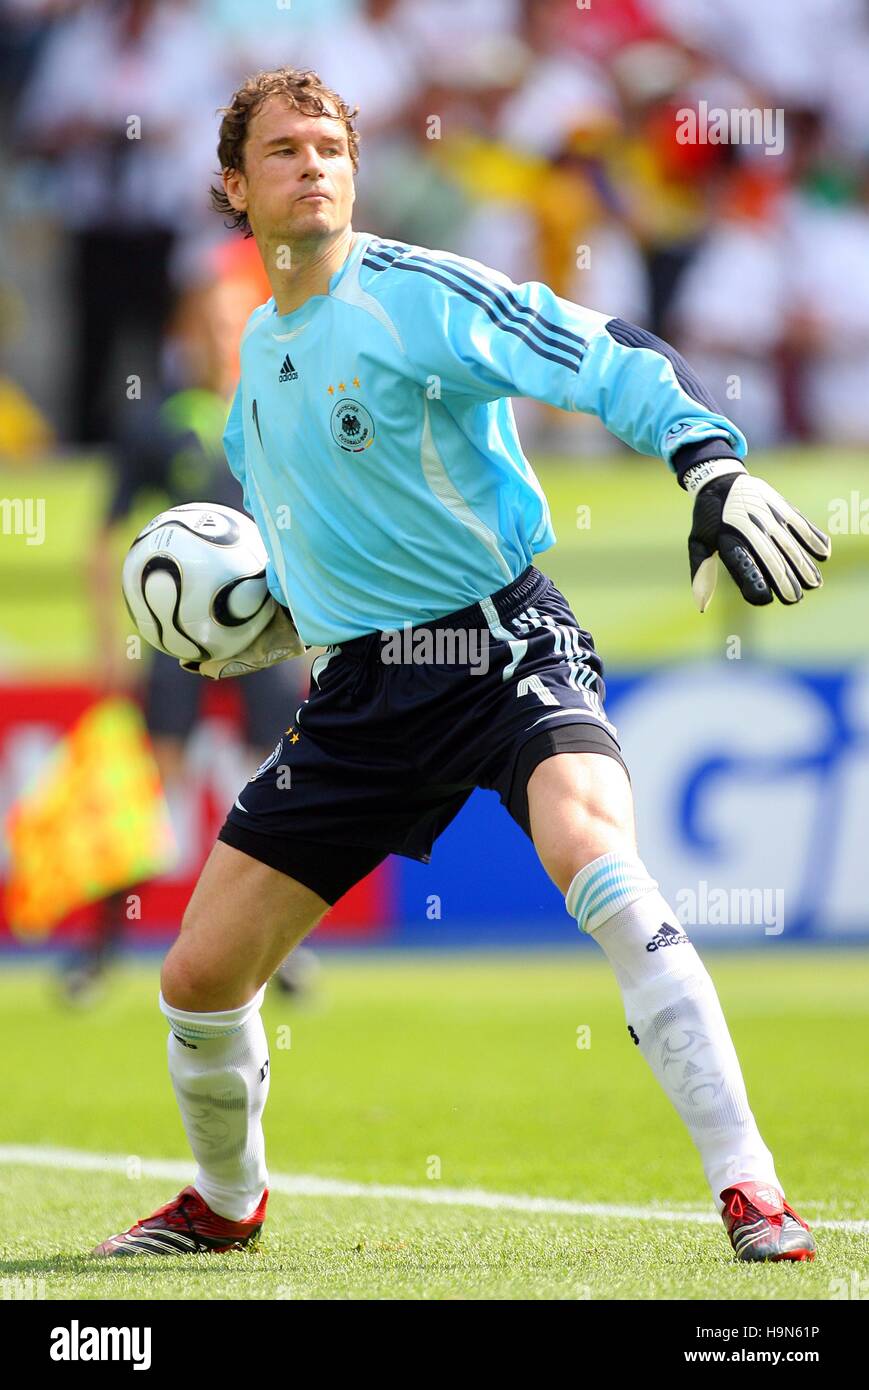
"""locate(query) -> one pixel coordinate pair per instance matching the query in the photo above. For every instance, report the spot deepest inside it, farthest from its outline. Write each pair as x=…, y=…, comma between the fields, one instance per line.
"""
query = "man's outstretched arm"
x=488, y=337
x=768, y=547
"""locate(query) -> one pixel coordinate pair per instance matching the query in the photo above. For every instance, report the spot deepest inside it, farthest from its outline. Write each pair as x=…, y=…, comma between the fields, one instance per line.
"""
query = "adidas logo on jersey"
x=667, y=936
x=288, y=371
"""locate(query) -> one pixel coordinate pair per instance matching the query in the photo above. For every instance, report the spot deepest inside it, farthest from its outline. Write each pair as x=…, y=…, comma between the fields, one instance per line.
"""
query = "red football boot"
x=185, y=1226
x=762, y=1226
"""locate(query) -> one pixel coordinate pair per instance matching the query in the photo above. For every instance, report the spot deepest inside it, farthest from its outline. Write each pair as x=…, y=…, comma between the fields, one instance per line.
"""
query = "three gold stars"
x=342, y=386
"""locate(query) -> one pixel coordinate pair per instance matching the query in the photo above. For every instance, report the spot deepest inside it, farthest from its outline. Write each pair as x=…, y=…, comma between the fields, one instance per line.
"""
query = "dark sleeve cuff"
x=689, y=454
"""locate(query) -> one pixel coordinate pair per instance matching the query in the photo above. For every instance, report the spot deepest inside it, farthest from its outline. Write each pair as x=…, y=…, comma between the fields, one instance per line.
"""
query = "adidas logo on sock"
x=667, y=936
x=288, y=371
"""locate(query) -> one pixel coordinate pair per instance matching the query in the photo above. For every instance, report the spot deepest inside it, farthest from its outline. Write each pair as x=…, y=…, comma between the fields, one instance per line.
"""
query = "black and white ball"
x=194, y=581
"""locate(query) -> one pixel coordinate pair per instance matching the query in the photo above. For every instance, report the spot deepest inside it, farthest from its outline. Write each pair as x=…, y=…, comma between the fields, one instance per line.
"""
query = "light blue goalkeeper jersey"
x=374, y=437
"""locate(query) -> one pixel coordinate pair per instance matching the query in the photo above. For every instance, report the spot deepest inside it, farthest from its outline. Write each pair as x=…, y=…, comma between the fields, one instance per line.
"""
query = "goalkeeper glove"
x=277, y=641
x=764, y=542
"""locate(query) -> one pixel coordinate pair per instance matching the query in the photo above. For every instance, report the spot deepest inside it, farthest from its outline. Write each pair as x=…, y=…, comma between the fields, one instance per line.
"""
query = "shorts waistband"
x=506, y=603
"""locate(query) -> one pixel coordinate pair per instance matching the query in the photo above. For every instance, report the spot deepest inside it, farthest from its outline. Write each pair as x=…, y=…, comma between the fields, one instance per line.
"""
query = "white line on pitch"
x=305, y=1185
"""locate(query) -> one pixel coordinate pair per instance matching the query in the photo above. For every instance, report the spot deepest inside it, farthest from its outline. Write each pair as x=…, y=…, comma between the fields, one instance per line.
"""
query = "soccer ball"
x=194, y=582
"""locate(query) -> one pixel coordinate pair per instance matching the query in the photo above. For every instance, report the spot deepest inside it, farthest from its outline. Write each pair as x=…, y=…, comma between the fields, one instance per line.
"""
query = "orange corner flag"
x=94, y=821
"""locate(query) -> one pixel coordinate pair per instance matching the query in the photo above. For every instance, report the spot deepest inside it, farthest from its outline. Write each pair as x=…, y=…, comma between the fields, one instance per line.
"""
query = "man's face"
x=298, y=176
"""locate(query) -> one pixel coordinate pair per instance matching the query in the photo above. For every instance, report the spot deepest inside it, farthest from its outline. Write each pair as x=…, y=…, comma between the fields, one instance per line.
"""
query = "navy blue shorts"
x=399, y=728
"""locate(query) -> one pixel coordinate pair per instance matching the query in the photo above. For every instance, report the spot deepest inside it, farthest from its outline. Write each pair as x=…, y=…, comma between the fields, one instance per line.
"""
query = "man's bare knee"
x=189, y=981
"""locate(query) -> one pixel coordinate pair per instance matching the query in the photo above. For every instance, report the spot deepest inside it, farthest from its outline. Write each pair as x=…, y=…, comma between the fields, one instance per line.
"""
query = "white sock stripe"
x=613, y=900
x=190, y=1033
x=200, y=1027
x=604, y=887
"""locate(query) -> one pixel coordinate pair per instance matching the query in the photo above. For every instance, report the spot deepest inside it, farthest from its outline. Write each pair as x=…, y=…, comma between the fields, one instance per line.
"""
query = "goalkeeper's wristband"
x=697, y=464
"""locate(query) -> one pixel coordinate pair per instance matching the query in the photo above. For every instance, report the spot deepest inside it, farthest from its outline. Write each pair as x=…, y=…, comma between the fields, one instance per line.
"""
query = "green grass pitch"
x=467, y=1066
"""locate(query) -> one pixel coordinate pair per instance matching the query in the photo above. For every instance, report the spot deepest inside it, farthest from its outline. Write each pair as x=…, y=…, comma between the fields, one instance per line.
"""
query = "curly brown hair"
x=305, y=91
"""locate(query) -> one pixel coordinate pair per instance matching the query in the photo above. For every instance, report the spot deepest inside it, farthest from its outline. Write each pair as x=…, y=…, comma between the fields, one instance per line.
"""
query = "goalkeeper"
x=373, y=435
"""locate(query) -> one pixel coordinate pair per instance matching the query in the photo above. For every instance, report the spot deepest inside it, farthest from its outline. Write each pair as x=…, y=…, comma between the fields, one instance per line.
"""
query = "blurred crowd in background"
x=538, y=136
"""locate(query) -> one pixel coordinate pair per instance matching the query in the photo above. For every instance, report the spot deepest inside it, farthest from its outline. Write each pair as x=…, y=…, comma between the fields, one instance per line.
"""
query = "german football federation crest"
x=352, y=425
x=269, y=762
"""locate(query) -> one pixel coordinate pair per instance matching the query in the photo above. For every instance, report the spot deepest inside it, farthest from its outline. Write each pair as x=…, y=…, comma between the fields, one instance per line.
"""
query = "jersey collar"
x=304, y=311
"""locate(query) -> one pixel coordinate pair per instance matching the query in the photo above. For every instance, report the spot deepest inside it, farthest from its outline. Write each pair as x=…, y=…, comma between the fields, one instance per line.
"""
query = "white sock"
x=673, y=1013
x=219, y=1065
